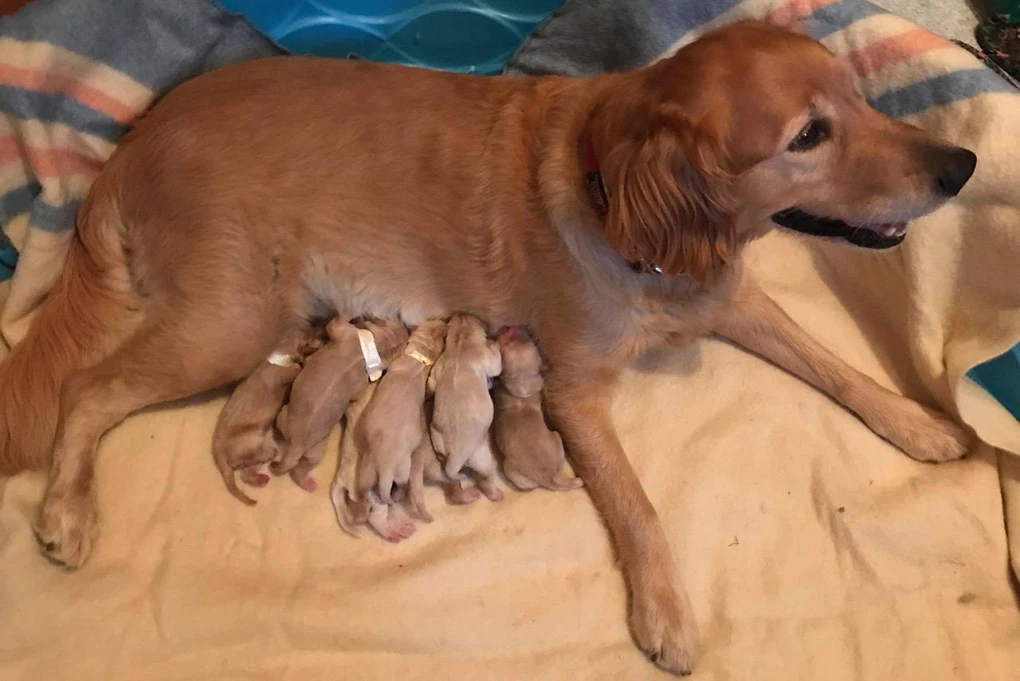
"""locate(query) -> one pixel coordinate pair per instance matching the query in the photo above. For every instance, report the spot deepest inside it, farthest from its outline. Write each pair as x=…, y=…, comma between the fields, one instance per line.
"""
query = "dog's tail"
x=86, y=315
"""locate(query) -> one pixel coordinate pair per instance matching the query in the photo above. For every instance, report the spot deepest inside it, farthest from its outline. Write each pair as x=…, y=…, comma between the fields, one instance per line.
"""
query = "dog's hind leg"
x=168, y=358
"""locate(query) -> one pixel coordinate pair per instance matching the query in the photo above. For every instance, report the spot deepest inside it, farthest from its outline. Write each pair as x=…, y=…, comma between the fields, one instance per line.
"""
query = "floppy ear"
x=670, y=202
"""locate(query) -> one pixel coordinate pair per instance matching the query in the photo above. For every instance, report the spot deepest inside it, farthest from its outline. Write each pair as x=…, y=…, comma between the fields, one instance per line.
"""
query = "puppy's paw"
x=664, y=629
x=923, y=434
x=303, y=480
x=461, y=494
x=254, y=477
x=66, y=526
x=390, y=522
x=490, y=488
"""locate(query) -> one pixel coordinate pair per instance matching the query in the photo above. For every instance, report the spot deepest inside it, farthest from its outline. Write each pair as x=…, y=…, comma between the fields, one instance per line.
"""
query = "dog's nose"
x=956, y=168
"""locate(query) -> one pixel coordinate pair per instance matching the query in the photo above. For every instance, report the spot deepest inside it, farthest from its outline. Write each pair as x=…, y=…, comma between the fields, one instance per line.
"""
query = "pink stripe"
x=895, y=50
x=39, y=80
x=796, y=9
x=48, y=162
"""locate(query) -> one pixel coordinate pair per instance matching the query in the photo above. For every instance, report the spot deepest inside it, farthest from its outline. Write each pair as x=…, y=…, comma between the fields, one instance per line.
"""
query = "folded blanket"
x=73, y=76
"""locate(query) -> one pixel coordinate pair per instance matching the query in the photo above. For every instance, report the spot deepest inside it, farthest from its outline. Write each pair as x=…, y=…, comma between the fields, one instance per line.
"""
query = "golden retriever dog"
x=333, y=376
x=245, y=437
x=606, y=214
x=426, y=468
x=392, y=424
x=462, y=408
x=388, y=520
x=533, y=455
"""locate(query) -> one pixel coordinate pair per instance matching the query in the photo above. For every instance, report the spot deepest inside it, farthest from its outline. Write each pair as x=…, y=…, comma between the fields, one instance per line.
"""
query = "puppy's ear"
x=670, y=204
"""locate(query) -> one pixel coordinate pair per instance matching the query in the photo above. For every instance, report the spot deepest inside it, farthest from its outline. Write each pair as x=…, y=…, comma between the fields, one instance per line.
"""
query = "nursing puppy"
x=426, y=468
x=331, y=377
x=244, y=437
x=606, y=214
x=388, y=520
x=533, y=455
x=462, y=412
x=392, y=425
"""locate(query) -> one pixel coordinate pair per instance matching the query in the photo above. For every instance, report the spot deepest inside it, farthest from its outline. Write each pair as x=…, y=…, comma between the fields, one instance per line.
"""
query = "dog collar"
x=373, y=363
x=600, y=194
x=281, y=359
x=593, y=177
x=414, y=354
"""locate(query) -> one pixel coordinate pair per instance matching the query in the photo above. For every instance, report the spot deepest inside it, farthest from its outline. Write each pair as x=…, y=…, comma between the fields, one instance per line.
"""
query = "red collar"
x=593, y=176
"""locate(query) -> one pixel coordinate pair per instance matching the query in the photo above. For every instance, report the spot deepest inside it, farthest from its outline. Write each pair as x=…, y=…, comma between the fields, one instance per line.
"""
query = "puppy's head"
x=429, y=338
x=522, y=363
x=753, y=126
x=390, y=338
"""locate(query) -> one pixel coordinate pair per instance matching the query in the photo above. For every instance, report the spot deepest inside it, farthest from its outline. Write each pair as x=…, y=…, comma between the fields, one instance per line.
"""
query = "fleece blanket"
x=73, y=76
x=811, y=548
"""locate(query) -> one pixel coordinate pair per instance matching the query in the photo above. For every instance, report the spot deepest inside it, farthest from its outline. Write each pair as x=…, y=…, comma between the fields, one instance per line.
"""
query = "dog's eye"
x=813, y=134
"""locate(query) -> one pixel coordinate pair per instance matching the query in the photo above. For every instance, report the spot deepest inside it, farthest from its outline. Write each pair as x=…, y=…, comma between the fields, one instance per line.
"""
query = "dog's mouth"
x=877, y=235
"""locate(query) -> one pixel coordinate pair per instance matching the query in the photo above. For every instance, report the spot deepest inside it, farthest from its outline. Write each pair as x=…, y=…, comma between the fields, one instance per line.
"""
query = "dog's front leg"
x=753, y=320
x=661, y=619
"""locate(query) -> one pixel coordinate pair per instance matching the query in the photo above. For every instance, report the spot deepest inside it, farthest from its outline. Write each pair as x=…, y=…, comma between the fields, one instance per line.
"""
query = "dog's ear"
x=670, y=202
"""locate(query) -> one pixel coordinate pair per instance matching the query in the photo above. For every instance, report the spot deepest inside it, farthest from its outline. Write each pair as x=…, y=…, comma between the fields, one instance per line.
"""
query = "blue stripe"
x=18, y=201
x=828, y=20
x=945, y=89
x=58, y=108
x=8, y=257
x=50, y=218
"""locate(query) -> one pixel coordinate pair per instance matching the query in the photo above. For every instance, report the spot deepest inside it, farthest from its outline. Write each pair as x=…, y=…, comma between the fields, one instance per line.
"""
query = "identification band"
x=410, y=352
x=373, y=363
x=280, y=359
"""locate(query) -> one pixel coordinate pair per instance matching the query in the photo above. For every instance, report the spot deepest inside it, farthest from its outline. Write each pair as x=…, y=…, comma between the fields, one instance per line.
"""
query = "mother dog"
x=607, y=214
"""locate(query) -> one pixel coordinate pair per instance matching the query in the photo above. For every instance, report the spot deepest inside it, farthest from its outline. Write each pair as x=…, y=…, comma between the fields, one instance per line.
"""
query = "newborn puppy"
x=389, y=521
x=425, y=467
x=463, y=409
x=330, y=379
x=244, y=437
x=392, y=425
x=532, y=454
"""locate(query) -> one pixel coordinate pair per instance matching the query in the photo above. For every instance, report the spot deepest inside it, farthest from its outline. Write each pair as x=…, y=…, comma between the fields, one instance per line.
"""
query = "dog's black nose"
x=957, y=166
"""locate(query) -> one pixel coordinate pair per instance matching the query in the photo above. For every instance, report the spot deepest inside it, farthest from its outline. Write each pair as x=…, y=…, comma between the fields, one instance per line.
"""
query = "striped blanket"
x=73, y=76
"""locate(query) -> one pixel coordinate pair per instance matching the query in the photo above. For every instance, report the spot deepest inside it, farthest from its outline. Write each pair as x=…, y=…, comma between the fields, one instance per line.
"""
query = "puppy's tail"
x=88, y=313
x=231, y=482
x=228, y=473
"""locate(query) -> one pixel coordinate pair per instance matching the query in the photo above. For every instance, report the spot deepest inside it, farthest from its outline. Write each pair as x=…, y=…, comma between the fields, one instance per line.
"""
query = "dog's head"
x=755, y=125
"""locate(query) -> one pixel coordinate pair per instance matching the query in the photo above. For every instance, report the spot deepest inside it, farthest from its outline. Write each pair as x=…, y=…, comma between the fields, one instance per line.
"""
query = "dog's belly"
x=411, y=290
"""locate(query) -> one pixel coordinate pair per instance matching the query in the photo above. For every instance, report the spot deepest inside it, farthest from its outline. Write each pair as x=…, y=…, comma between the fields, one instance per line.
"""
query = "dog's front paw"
x=923, y=434
x=664, y=628
x=66, y=527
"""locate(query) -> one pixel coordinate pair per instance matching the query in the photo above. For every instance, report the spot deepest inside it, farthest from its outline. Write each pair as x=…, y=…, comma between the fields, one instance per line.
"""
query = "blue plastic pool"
x=466, y=36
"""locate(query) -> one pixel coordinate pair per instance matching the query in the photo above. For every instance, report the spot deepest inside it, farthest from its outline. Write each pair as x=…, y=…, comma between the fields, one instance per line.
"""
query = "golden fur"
x=533, y=455
x=264, y=193
x=462, y=406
